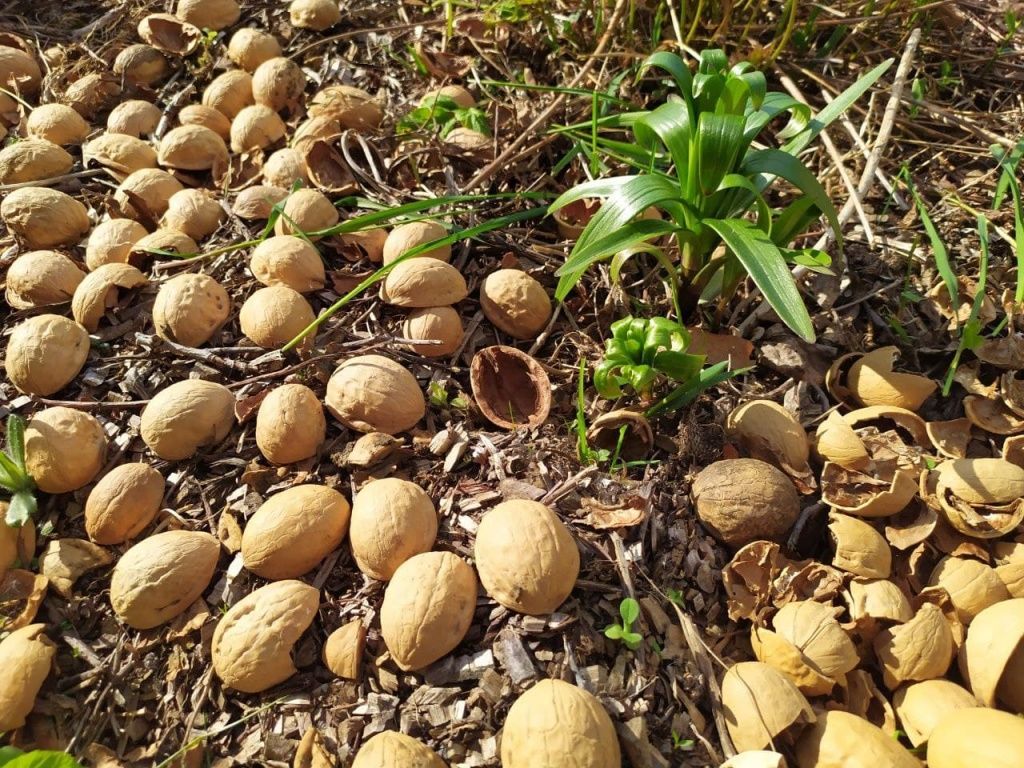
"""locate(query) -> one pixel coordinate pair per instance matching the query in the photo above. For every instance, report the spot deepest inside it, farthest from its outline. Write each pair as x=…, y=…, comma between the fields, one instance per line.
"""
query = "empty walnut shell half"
x=510, y=387
x=873, y=382
x=167, y=33
x=982, y=498
x=767, y=431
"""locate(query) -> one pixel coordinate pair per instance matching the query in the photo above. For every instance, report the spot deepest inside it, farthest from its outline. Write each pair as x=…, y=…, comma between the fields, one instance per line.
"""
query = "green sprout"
x=12, y=757
x=629, y=610
x=443, y=115
x=14, y=477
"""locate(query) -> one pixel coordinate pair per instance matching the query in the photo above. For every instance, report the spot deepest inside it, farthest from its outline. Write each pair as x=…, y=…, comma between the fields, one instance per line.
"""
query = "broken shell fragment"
x=920, y=649
x=992, y=415
x=744, y=500
x=982, y=498
x=972, y=585
x=170, y=34
x=921, y=706
x=755, y=758
x=836, y=441
x=871, y=601
x=860, y=549
x=761, y=705
x=778, y=652
x=252, y=644
x=511, y=389
x=100, y=291
x=950, y=438
x=813, y=629
x=767, y=431
x=343, y=651
x=864, y=495
x=65, y=560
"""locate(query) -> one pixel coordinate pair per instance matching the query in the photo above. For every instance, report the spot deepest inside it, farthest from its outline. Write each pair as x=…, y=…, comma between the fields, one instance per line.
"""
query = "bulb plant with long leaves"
x=701, y=159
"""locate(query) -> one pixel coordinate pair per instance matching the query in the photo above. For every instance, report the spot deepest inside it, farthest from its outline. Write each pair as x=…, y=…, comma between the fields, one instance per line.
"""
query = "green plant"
x=10, y=757
x=678, y=742
x=629, y=610
x=642, y=351
x=14, y=477
x=442, y=115
x=697, y=164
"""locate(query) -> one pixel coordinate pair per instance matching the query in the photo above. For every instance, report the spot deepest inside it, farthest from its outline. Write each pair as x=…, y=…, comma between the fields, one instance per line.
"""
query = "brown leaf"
x=247, y=406
x=188, y=622
x=65, y=560
x=21, y=593
x=229, y=532
x=631, y=511
x=720, y=347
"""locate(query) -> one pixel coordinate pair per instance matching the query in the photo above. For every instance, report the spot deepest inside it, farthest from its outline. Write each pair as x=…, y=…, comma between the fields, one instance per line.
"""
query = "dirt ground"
x=124, y=697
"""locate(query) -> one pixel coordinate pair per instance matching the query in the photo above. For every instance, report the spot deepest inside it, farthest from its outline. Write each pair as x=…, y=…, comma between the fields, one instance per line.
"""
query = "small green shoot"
x=678, y=742
x=629, y=610
x=442, y=114
x=640, y=353
x=14, y=477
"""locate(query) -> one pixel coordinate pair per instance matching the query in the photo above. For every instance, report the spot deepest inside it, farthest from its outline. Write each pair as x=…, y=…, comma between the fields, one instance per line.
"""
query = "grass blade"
x=939, y=252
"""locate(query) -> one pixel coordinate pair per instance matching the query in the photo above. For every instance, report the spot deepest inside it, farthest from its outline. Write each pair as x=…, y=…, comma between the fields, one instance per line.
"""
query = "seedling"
x=629, y=610
x=678, y=742
x=442, y=115
x=14, y=477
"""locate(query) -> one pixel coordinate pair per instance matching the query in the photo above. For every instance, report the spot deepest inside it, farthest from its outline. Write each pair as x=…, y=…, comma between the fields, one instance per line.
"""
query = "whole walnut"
x=64, y=449
x=190, y=308
x=745, y=500
x=45, y=353
x=186, y=416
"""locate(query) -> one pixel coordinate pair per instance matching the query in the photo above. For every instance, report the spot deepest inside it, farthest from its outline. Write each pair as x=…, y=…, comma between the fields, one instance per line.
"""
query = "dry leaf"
x=65, y=560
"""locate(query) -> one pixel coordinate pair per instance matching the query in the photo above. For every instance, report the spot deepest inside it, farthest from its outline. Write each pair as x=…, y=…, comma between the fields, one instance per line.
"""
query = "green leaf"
x=939, y=252
x=42, y=759
x=629, y=610
x=632, y=640
x=16, y=439
x=720, y=140
x=21, y=509
x=767, y=267
x=777, y=163
x=671, y=125
x=685, y=394
x=7, y=754
x=19, y=480
x=613, y=632
x=674, y=66
x=837, y=107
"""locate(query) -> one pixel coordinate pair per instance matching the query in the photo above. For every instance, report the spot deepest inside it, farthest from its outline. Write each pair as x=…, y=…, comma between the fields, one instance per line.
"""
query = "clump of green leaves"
x=11, y=757
x=629, y=611
x=442, y=115
x=697, y=162
x=14, y=477
x=644, y=352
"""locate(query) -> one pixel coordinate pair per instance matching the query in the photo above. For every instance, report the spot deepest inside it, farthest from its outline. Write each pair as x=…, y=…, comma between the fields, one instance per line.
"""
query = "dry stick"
x=867, y=177
x=501, y=161
x=837, y=158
